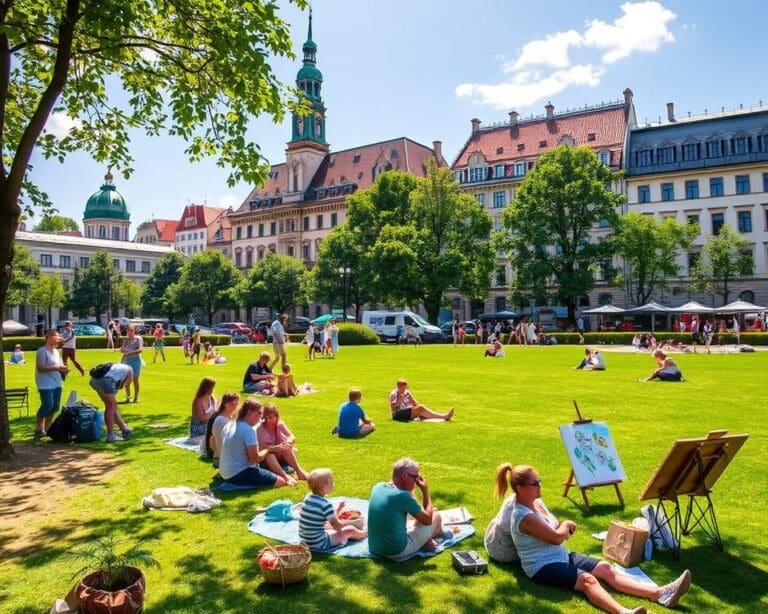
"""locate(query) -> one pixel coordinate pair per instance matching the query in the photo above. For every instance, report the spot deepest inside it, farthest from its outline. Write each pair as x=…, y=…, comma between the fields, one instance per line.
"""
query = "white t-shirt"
x=69, y=339
x=217, y=431
x=48, y=380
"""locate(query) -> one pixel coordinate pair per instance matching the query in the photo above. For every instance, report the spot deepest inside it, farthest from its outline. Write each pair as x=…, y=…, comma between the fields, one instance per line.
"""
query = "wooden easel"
x=571, y=481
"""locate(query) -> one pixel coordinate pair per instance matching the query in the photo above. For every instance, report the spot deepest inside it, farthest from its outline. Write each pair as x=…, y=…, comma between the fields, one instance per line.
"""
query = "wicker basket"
x=292, y=563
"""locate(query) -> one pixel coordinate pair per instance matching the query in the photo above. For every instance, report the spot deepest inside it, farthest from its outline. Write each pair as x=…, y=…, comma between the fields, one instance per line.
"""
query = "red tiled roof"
x=226, y=230
x=603, y=128
x=354, y=165
x=203, y=214
x=166, y=229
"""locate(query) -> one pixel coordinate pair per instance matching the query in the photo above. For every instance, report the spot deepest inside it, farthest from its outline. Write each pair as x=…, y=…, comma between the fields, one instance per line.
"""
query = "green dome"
x=310, y=72
x=310, y=45
x=106, y=203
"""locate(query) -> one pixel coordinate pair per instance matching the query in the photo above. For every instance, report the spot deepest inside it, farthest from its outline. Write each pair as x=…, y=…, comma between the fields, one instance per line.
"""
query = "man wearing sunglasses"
x=391, y=533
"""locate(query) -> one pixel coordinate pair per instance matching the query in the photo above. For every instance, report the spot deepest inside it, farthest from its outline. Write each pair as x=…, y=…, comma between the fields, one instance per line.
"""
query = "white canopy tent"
x=692, y=307
x=653, y=308
x=739, y=307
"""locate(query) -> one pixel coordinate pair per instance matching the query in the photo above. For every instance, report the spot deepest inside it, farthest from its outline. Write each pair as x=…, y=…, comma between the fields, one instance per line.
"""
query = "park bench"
x=17, y=398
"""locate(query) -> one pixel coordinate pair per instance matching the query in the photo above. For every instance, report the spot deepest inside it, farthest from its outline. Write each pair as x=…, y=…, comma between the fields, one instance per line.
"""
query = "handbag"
x=625, y=543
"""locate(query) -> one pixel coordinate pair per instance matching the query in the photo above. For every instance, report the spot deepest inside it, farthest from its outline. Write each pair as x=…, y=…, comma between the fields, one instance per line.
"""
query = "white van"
x=388, y=324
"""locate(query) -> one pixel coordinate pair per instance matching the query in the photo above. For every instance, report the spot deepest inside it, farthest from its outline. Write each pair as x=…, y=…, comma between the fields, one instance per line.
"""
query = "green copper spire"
x=309, y=80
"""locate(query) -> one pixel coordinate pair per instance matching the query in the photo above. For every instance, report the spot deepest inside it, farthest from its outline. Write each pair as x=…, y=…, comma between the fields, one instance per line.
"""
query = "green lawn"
x=506, y=410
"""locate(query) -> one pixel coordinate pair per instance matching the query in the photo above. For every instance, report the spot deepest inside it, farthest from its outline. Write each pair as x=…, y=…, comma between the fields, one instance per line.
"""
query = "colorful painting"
x=592, y=454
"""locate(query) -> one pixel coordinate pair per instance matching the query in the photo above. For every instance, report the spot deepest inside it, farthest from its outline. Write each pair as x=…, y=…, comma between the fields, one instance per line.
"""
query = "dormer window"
x=393, y=154
x=478, y=173
x=519, y=168
x=542, y=143
x=356, y=159
x=591, y=136
x=499, y=150
x=190, y=221
x=605, y=157
x=520, y=146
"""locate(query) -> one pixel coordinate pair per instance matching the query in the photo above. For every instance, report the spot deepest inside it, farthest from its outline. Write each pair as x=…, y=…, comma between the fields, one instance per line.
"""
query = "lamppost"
x=344, y=272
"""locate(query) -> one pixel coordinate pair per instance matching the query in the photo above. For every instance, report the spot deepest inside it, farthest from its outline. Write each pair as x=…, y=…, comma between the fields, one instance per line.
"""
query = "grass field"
x=506, y=410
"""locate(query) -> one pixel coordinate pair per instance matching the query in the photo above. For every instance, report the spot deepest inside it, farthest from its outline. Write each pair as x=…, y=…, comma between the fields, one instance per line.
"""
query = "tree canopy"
x=649, y=248
x=49, y=294
x=275, y=281
x=726, y=258
x=93, y=286
x=26, y=272
x=548, y=227
x=52, y=222
x=205, y=283
x=154, y=297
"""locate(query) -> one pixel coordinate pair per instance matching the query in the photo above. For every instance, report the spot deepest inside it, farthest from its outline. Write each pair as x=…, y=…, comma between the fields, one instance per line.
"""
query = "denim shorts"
x=135, y=363
x=565, y=575
x=50, y=402
x=402, y=415
x=104, y=384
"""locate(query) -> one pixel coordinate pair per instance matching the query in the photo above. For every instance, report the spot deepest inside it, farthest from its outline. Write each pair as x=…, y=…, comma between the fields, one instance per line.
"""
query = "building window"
x=238, y=258
x=130, y=266
x=261, y=230
x=334, y=219
x=65, y=262
x=742, y=184
x=714, y=149
x=260, y=253
x=519, y=169
x=762, y=141
x=478, y=173
x=605, y=157
x=745, y=221
x=645, y=157
x=693, y=220
x=692, y=188
x=605, y=299
x=102, y=232
x=249, y=231
x=116, y=264
x=739, y=145
x=747, y=296
x=499, y=199
x=691, y=151
x=606, y=269
x=145, y=266
x=643, y=193
x=693, y=260
x=305, y=251
x=248, y=258
x=498, y=171
x=116, y=233
x=765, y=182
x=501, y=303
x=273, y=228
x=665, y=155
x=290, y=250
x=305, y=222
x=89, y=232
x=239, y=233
x=319, y=222
x=746, y=263
x=46, y=260
x=480, y=198
x=667, y=191
x=716, y=186
x=718, y=219
x=84, y=260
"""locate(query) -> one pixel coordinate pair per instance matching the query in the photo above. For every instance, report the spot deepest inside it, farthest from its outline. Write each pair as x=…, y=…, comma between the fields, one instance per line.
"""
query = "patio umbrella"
x=12, y=328
x=653, y=308
x=321, y=320
x=499, y=315
x=739, y=307
x=604, y=309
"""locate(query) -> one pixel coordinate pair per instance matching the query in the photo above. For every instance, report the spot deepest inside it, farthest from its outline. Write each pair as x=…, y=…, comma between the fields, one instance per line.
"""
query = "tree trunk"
x=432, y=305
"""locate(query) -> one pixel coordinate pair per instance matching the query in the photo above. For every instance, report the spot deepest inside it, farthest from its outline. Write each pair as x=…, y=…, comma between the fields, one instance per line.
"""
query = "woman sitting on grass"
x=203, y=407
x=276, y=438
x=214, y=430
x=666, y=371
x=495, y=349
x=538, y=537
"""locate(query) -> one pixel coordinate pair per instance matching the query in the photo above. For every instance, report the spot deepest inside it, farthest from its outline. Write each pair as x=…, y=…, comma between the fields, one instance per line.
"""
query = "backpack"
x=101, y=370
x=62, y=429
x=87, y=422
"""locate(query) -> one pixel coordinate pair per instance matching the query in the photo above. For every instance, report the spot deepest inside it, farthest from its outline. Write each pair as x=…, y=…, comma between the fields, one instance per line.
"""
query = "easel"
x=571, y=481
x=690, y=469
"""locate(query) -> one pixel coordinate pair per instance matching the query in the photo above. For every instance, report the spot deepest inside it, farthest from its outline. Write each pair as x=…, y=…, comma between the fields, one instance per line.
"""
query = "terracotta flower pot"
x=128, y=600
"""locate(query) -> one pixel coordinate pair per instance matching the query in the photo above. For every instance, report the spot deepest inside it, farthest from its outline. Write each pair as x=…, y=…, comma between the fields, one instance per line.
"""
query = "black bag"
x=101, y=370
x=469, y=562
x=62, y=429
x=86, y=422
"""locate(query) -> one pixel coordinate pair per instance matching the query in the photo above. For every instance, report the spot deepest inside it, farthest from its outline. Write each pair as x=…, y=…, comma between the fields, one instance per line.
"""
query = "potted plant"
x=116, y=585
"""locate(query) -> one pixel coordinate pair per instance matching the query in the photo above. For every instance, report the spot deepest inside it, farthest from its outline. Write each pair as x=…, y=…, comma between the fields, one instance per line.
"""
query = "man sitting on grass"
x=352, y=419
x=405, y=408
x=389, y=533
x=259, y=377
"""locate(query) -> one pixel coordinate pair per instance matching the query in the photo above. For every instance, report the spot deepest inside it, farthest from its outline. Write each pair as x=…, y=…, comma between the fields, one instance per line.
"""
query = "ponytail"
x=508, y=476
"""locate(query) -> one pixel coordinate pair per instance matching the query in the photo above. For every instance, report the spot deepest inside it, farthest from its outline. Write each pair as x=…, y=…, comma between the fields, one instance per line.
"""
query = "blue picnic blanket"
x=288, y=532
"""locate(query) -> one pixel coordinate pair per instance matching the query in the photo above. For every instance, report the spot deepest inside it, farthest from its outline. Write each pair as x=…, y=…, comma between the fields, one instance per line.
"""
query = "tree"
x=26, y=272
x=154, y=298
x=48, y=295
x=93, y=286
x=126, y=294
x=726, y=257
x=649, y=247
x=276, y=282
x=547, y=227
x=196, y=70
x=56, y=223
x=205, y=283
x=427, y=237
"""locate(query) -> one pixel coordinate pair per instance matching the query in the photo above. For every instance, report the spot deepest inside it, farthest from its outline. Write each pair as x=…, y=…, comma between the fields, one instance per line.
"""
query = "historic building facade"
x=495, y=160
x=106, y=216
x=198, y=227
x=304, y=197
x=710, y=170
x=157, y=232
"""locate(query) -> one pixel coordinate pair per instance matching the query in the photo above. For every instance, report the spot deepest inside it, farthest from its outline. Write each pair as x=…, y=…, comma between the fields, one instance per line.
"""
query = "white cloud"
x=59, y=124
x=149, y=55
x=229, y=200
x=642, y=27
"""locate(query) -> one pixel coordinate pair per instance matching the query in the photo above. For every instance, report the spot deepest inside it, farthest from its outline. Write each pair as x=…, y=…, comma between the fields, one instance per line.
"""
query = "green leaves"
x=727, y=257
x=205, y=283
x=276, y=281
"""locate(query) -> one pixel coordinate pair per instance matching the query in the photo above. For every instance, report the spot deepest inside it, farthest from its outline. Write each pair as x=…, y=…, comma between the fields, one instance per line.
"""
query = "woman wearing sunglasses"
x=539, y=537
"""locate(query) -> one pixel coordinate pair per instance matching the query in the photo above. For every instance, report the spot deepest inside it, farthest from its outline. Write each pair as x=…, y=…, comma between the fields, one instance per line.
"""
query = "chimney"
x=513, y=115
x=627, y=97
x=437, y=148
x=550, y=111
x=671, y=111
x=475, y=125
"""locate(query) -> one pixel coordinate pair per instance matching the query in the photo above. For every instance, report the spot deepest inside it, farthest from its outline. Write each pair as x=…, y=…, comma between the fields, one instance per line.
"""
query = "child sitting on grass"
x=17, y=356
x=319, y=525
x=286, y=387
x=352, y=419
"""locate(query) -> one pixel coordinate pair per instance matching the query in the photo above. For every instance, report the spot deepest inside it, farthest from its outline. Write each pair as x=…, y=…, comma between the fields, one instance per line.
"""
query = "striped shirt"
x=315, y=512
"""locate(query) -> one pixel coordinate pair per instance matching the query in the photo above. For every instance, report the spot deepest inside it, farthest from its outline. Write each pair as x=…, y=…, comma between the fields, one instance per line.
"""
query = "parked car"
x=298, y=324
x=230, y=328
x=261, y=332
x=447, y=329
x=84, y=329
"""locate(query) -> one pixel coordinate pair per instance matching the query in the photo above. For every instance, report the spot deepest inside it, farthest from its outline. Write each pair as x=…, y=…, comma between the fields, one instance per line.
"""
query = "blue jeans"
x=50, y=402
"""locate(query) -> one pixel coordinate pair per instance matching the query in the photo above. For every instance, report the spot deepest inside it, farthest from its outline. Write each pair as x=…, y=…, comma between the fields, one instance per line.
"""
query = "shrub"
x=357, y=334
x=100, y=342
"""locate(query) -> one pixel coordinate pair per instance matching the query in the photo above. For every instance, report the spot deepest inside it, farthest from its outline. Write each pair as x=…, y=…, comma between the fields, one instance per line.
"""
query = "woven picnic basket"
x=292, y=563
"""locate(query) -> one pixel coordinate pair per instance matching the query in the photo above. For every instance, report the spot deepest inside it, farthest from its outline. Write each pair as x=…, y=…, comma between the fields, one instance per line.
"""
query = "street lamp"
x=344, y=272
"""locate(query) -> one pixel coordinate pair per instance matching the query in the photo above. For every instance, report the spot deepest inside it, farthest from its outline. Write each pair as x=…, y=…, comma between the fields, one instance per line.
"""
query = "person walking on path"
x=159, y=344
x=69, y=346
x=278, y=340
x=49, y=379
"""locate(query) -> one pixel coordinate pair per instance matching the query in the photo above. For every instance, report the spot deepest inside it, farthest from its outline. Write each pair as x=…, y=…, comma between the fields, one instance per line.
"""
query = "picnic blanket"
x=185, y=443
x=180, y=498
x=288, y=532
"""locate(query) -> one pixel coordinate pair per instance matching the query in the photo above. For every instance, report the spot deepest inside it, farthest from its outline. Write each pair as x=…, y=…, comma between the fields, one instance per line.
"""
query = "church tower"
x=307, y=147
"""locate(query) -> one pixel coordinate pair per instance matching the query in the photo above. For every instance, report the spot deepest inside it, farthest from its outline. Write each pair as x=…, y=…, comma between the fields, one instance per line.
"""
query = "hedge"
x=100, y=342
x=356, y=334
x=625, y=338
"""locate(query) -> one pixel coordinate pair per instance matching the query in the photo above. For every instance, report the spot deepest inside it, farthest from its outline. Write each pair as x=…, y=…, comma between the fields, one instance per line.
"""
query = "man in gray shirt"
x=278, y=340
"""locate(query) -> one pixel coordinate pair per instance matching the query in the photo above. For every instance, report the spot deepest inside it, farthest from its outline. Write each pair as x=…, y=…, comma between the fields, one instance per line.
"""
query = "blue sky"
x=424, y=69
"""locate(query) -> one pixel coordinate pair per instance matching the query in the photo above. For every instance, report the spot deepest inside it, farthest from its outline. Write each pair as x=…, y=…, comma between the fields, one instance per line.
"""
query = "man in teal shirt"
x=390, y=534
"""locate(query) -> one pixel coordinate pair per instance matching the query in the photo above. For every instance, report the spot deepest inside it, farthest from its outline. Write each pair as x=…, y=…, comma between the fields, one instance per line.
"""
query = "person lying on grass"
x=538, y=537
x=405, y=407
x=352, y=419
x=320, y=526
x=666, y=369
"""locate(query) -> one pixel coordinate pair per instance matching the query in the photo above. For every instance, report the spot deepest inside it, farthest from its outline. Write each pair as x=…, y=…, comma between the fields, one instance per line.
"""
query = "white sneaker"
x=671, y=593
